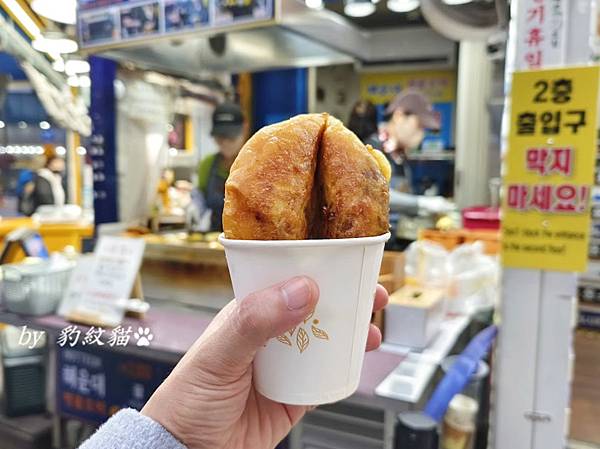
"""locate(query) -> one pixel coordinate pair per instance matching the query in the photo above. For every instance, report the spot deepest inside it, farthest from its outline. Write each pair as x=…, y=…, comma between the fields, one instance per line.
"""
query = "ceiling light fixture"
x=44, y=125
x=2, y=124
x=456, y=2
x=359, y=8
x=314, y=4
x=76, y=66
x=85, y=81
x=53, y=42
x=59, y=65
x=63, y=11
x=402, y=5
x=23, y=18
x=60, y=150
x=73, y=81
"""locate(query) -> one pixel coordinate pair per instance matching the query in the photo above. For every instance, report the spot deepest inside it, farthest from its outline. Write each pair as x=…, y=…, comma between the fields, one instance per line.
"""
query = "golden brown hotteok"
x=354, y=191
x=307, y=177
x=268, y=192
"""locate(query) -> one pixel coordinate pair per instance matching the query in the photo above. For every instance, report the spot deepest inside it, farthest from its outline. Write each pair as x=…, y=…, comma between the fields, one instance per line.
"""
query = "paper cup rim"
x=355, y=241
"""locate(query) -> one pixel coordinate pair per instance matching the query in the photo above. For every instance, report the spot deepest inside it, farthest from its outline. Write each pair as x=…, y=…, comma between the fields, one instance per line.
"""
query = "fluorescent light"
x=73, y=81
x=60, y=45
x=76, y=66
x=22, y=125
x=23, y=18
x=81, y=151
x=61, y=151
x=456, y=2
x=172, y=151
x=2, y=124
x=359, y=8
x=314, y=4
x=44, y=125
x=85, y=81
x=402, y=5
x=59, y=65
x=63, y=11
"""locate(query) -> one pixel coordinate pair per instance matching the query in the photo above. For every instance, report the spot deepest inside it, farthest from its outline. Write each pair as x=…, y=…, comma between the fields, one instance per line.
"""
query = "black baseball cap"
x=227, y=120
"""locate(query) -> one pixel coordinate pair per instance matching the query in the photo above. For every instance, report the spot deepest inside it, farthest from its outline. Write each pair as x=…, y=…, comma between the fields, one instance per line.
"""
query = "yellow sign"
x=549, y=169
x=438, y=85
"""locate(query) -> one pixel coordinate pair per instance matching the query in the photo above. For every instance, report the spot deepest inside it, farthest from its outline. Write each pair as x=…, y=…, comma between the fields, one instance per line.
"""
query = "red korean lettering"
x=534, y=59
x=537, y=159
x=565, y=198
x=584, y=198
x=536, y=14
x=517, y=196
x=541, y=198
x=534, y=37
x=562, y=161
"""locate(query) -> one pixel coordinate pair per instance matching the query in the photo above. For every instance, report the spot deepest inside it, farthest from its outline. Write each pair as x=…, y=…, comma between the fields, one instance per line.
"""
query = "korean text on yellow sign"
x=549, y=169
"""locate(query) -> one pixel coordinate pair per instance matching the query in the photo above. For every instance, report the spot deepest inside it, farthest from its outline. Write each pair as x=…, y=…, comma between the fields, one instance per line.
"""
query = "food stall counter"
x=56, y=235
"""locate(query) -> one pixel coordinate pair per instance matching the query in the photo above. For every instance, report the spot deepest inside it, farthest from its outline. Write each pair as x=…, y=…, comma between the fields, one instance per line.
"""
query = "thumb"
x=229, y=346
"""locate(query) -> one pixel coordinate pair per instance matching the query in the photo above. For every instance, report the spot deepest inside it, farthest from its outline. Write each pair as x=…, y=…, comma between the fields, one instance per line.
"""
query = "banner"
x=549, y=169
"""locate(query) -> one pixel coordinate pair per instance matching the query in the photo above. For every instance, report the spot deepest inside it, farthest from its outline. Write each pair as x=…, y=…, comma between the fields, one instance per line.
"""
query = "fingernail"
x=296, y=292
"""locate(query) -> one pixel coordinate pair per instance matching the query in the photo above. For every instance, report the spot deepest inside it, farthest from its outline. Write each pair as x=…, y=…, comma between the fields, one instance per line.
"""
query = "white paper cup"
x=319, y=361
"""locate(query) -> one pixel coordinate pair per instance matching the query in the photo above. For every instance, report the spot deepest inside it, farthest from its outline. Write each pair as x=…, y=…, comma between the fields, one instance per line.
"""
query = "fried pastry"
x=269, y=192
x=354, y=195
x=307, y=177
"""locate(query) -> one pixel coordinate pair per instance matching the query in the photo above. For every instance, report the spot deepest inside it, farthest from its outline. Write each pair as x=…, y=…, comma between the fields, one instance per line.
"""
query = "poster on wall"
x=438, y=86
x=140, y=20
x=549, y=169
x=99, y=27
x=229, y=12
x=185, y=14
x=104, y=22
x=95, y=4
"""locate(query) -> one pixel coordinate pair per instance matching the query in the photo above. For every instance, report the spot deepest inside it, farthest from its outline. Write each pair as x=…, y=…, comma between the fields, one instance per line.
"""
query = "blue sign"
x=94, y=383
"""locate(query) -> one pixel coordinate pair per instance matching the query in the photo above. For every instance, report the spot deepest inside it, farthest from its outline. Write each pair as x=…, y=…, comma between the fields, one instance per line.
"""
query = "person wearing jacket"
x=209, y=401
x=46, y=187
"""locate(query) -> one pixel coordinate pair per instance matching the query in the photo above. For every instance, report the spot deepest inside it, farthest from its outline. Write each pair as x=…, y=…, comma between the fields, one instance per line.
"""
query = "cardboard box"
x=413, y=316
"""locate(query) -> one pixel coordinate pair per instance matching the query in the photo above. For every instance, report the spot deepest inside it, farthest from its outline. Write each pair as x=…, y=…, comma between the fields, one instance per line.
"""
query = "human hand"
x=435, y=204
x=209, y=400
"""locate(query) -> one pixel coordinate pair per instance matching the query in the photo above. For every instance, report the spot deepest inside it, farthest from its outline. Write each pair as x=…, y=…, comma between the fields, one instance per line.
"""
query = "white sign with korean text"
x=542, y=31
x=101, y=285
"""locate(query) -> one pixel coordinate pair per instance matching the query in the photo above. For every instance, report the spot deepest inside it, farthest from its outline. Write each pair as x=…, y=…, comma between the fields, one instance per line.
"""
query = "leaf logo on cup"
x=302, y=337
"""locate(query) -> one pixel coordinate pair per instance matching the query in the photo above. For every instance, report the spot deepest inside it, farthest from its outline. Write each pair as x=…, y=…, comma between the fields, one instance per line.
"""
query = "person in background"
x=209, y=400
x=47, y=186
x=407, y=117
x=363, y=121
x=229, y=129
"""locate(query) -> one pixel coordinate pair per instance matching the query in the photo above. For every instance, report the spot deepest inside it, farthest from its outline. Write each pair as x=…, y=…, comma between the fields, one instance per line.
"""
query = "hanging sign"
x=549, y=169
x=541, y=25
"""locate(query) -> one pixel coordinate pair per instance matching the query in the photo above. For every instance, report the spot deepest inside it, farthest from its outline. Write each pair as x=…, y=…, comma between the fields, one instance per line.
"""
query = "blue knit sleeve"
x=128, y=429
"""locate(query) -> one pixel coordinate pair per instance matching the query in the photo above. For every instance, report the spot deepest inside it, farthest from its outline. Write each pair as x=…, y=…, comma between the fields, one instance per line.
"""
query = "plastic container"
x=319, y=361
x=475, y=385
x=459, y=423
x=481, y=217
x=35, y=289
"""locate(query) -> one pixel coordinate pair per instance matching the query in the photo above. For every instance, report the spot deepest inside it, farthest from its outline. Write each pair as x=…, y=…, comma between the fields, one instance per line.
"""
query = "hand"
x=209, y=400
x=435, y=204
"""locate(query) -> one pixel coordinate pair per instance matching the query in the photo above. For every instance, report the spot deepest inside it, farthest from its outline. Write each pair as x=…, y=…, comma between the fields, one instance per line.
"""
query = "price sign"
x=549, y=169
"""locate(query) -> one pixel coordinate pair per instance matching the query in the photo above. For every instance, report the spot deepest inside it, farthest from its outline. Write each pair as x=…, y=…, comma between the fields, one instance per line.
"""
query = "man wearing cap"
x=229, y=129
x=407, y=117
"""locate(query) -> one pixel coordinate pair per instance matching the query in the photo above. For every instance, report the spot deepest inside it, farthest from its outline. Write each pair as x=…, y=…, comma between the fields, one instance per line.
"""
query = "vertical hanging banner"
x=549, y=169
x=542, y=24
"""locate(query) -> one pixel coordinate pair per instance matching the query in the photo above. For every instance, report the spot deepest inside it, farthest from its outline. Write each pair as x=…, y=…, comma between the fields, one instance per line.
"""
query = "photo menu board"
x=106, y=22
